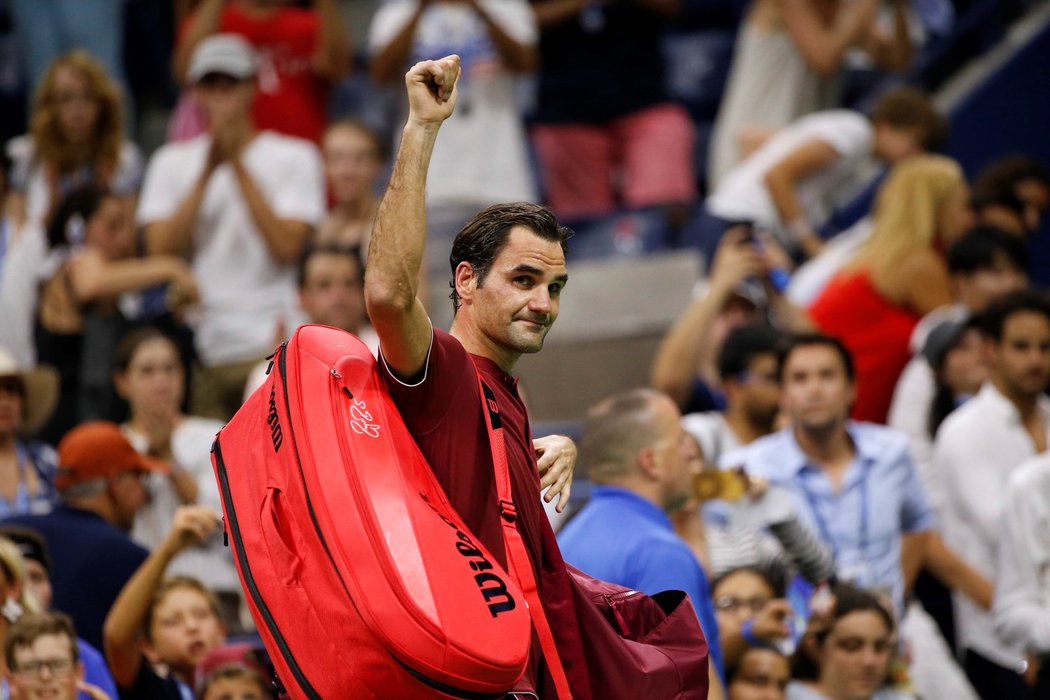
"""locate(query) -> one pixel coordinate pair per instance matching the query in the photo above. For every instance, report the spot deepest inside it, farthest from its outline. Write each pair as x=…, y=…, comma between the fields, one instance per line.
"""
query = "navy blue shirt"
x=91, y=561
x=622, y=538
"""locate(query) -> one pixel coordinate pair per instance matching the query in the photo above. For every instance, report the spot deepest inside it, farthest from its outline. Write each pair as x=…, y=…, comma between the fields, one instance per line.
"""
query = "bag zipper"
x=249, y=579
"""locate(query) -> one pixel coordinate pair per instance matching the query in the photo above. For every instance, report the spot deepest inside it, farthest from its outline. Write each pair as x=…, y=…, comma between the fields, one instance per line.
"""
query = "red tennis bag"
x=363, y=581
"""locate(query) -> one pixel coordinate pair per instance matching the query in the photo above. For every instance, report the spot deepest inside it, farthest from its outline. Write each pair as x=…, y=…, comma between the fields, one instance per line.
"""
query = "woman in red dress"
x=899, y=275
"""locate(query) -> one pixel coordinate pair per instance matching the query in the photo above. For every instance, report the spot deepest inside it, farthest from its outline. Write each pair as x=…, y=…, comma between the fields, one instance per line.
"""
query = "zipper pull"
x=273, y=355
x=225, y=534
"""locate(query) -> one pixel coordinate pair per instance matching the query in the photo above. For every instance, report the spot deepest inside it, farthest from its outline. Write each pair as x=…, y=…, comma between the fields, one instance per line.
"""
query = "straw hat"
x=41, y=389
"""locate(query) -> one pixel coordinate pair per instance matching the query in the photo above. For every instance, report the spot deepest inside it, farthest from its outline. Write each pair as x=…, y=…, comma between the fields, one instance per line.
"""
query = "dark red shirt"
x=443, y=413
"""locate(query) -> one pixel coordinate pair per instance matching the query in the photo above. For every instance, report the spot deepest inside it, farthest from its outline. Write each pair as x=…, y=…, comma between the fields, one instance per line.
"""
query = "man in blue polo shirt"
x=640, y=459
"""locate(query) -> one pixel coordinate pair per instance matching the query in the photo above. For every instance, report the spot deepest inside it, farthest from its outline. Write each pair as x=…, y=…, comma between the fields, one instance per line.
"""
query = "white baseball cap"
x=226, y=54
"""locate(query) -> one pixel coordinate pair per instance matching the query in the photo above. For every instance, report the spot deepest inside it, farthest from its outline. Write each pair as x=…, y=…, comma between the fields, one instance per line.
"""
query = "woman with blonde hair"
x=897, y=277
x=75, y=137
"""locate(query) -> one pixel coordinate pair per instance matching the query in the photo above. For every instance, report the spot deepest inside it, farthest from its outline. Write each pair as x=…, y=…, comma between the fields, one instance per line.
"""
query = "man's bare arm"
x=395, y=253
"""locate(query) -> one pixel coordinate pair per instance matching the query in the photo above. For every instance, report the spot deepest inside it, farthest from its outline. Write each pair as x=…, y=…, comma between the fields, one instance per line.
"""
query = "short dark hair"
x=908, y=107
x=996, y=183
x=485, y=235
x=311, y=250
x=994, y=318
x=743, y=344
x=978, y=248
x=772, y=576
x=31, y=627
x=848, y=599
x=828, y=341
x=80, y=203
x=130, y=343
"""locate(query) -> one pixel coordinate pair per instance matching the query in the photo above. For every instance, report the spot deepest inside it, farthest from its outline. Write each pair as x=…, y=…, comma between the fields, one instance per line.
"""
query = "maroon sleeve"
x=424, y=401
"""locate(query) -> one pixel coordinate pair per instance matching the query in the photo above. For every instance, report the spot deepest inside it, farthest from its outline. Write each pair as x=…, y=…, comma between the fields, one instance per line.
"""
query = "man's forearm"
x=395, y=253
x=174, y=236
x=284, y=239
x=333, y=51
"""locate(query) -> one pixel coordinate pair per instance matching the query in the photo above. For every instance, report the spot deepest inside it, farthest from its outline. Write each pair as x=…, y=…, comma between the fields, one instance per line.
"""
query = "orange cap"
x=97, y=450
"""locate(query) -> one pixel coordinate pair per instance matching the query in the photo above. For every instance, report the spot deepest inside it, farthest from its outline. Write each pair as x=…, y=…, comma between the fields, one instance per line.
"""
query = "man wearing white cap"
x=27, y=398
x=240, y=203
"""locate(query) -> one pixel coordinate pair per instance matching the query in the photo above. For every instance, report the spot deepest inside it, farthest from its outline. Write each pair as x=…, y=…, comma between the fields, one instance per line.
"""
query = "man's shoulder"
x=275, y=143
x=878, y=441
x=176, y=154
x=975, y=416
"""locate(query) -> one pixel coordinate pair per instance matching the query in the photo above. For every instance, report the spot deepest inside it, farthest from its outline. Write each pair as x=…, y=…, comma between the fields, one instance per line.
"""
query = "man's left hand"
x=556, y=460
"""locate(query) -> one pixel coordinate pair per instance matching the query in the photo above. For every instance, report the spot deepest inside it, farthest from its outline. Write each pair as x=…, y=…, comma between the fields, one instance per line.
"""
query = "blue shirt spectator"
x=880, y=499
x=625, y=539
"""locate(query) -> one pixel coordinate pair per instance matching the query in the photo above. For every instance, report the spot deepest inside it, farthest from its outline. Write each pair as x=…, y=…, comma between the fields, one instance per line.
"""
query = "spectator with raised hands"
x=149, y=375
x=752, y=612
x=91, y=264
x=240, y=203
x=301, y=52
x=173, y=622
x=483, y=155
x=737, y=292
x=786, y=64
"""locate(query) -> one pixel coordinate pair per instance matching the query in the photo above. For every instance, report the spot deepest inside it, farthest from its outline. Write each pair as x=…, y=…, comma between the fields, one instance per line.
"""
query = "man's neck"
x=7, y=443
x=831, y=450
x=1026, y=404
x=476, y=343
x=743, y=427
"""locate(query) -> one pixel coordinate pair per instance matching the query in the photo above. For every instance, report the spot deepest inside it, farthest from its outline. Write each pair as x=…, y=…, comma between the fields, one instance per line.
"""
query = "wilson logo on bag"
x=363, y=581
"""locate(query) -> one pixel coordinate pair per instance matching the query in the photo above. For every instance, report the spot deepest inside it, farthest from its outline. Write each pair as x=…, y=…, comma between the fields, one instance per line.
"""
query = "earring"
x=12, y=610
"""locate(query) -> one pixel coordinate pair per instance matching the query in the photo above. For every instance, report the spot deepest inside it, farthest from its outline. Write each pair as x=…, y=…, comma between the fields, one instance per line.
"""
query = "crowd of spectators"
x=842, y=455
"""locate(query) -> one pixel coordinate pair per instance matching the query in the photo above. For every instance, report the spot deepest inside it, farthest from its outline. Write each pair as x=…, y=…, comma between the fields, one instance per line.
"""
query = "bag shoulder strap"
x=517, y=556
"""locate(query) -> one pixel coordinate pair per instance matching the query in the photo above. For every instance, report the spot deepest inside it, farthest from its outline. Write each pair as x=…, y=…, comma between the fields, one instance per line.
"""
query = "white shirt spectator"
x=978, y=448
x=809, y=280
x=24, y=255
x=482, y=155
x=245, y=293
x=743, y=195
x=210, y=562
x=1022, y=585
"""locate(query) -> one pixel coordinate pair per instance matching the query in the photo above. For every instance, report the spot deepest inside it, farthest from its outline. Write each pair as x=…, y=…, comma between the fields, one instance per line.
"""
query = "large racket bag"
x=363, y=581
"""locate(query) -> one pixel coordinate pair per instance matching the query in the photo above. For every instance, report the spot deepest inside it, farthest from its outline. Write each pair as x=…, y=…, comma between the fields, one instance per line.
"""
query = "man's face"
x=979, y=288
x=517, y=302
x=676, y=454
x=224, y=99
x=817, y=394
x=351, y=163
x=185, y=629
x=332, y=293
x=46, y=669
x=758, y=390
x=1021, y=358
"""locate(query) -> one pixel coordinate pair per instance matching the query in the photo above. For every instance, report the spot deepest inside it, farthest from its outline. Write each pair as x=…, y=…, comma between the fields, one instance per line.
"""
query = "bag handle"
x=517, y=555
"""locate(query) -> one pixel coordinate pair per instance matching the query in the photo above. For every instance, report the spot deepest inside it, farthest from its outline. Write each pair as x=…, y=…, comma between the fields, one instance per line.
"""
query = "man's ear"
x=466, y=280
x=646, y=460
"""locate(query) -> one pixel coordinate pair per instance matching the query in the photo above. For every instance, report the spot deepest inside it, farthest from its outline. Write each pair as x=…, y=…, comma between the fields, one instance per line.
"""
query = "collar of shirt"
x=629, y=500
x=995, y=401
x=491, y=369
x=867, y=453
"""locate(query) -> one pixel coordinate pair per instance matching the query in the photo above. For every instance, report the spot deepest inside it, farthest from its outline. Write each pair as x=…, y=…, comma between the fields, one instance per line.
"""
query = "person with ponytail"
x=899, y=275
